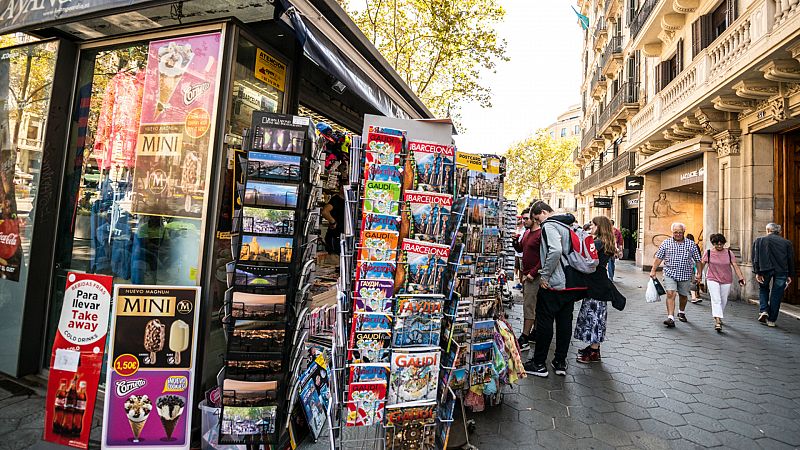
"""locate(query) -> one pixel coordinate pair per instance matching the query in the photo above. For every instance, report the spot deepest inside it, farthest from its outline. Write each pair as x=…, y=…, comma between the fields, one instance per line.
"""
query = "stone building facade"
x=709, y=117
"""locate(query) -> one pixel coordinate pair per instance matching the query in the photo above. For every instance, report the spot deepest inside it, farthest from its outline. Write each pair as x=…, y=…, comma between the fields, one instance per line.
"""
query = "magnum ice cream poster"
x=151, y=367
x=177, y=126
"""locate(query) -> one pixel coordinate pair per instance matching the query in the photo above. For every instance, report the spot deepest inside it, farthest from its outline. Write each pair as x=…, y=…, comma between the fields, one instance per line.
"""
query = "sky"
x=542, y=79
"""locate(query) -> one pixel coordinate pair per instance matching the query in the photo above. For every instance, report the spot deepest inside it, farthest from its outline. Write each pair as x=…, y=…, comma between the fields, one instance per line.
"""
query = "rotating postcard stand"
x=265, y=301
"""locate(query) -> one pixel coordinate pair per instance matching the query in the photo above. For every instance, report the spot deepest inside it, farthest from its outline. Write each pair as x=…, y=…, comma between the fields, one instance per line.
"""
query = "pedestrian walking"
x=679, y=256
x=695, y=289
x=719, y=277
x=612, y=262
x=590, y=327
x=773, y=262
x=555, y=302
x=531, y=263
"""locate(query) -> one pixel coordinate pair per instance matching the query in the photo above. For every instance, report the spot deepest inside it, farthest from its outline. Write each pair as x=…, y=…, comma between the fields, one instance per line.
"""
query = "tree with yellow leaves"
x=538, y=164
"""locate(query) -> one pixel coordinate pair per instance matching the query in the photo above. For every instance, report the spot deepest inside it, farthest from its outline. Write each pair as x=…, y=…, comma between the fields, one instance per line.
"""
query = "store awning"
x=319, y=49
x=16, y=15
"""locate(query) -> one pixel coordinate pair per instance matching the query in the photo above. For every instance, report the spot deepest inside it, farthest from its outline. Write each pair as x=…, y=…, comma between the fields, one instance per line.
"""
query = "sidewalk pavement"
x=656, y=388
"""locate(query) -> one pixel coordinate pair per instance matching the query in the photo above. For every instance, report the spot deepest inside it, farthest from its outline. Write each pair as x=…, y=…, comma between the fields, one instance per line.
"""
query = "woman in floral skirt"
x=591, y=324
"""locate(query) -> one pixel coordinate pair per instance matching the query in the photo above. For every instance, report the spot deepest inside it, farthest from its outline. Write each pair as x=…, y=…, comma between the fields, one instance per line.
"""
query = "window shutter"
x=707, y=30
x=730, y=15
x=657, y=77
x=679, y=57
x=697, y=39
x=665, y=74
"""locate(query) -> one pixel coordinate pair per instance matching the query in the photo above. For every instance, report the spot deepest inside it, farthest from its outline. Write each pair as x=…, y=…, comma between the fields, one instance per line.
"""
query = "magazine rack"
x=275, y=195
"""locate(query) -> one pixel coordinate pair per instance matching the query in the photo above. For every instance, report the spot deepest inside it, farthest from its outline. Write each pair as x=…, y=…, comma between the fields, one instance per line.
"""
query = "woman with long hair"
x=591, y=324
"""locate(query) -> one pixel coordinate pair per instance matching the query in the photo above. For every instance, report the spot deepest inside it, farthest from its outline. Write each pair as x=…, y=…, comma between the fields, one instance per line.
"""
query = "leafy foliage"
x=439, y=47
x=538, y=164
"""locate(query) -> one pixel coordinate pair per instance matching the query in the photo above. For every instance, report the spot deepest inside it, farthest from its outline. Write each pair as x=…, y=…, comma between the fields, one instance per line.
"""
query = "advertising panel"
x=77, y=359
x=175, y=132
x=151, y=367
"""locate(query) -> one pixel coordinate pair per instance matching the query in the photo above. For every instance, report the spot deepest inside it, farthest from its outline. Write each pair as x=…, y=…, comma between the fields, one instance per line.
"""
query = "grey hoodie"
x=555, y=239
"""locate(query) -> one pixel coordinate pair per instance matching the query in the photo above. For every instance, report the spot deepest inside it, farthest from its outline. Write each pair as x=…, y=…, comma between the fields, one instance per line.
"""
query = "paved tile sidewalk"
x=686, y=387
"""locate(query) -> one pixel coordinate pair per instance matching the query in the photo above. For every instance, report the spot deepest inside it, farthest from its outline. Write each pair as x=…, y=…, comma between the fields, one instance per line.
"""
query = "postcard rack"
x=265, y=305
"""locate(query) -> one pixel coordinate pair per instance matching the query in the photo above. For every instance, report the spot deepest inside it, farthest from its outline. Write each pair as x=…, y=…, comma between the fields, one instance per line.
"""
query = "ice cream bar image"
x=178, y=338
x=154, y=336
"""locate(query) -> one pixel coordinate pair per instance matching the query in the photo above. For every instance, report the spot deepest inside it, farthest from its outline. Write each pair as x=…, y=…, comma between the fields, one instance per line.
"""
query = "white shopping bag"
x=652, y=294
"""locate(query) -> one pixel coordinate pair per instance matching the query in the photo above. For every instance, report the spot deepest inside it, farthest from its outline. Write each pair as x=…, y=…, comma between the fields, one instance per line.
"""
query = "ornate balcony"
x=598, y=85
x=622, y=107
x=641, y=17
x=600, y=34
x=620, y=166
x=612, y=57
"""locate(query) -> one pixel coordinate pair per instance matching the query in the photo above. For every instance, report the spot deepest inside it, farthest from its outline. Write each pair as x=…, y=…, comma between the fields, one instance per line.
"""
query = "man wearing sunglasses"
x=680, y=256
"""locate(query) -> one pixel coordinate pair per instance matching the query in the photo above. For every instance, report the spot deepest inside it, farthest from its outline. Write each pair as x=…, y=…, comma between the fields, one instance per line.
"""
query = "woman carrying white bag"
x=720, y=260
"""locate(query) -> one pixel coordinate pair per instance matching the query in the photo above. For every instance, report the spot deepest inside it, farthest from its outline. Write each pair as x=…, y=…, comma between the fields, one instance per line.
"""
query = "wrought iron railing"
x=614, y=46
x=600, y=27
x=623, y=164
x=589, y=135
x=641, y=17
x=597, y=78
x=628, y=93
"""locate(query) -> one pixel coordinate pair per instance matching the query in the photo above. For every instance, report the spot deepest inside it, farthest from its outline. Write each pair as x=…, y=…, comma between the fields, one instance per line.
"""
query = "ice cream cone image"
x=173, y=60
x=137, y=408
x=170, y=409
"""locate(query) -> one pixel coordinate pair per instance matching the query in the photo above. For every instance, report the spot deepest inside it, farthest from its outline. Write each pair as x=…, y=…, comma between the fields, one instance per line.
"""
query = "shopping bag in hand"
x=652, y=294
x=659, y=287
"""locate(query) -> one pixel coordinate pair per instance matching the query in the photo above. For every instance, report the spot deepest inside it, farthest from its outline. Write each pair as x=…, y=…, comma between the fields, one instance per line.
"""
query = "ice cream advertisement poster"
x=77, y=359
x=151, y=367
x=176, y=126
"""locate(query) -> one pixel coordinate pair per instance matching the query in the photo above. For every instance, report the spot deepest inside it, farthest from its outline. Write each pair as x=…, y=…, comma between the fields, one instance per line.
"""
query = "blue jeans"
x=611, y=267
x=770, y=302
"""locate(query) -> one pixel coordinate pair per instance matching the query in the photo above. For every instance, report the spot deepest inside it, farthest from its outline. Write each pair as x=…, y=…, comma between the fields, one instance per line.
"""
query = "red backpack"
x=582, y=254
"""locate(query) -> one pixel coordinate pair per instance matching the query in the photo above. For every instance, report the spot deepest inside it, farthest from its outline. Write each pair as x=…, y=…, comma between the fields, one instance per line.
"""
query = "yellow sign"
x=478, y=163
x=146, y=305
x=270, y=70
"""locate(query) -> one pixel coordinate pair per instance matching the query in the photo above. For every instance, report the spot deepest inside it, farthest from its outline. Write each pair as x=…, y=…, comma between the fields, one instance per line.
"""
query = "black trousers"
x=553, y=306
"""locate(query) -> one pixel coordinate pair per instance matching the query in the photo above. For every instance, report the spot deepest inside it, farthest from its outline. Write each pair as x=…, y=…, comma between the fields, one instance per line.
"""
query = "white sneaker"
x=762, y=317
x=770, y=324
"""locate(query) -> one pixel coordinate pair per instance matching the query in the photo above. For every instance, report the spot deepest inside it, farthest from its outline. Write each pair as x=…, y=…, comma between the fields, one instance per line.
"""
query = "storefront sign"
x=15, y=14
x=174, y=136
x=634, y=183
x=631, y=201
x=77, y=359
x=478, y=162
x=690, y=172
x=602, y=202
x=270, y=70
x=150, y=367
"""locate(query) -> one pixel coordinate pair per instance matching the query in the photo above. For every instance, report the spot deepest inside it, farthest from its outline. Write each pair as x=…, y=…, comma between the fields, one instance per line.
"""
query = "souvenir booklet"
x=380, y=222
x=371, y=322
x=382, y=197
x=458, y=379
x=384, y=145
x=482, y=353
x=417, y=330
x=423, y=267
x=483, y=331
x=373, y=295
x=401, y=416
x=414, y=376
x=365, y=403
x=433, y=167
x=369, y=347
x=383, y=172
x=369, y=372
x=427, y=214
x=480, y=374
x=378, y=245
x=375, y=270
x=411, y=437
x=410, y=305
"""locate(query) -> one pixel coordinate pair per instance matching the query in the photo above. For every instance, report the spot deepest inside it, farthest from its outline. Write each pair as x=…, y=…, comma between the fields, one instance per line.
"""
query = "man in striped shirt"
x=679, y=256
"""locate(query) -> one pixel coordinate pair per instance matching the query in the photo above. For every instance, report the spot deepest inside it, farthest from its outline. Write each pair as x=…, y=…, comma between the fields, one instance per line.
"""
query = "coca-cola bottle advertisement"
x=77, y=359
x=10, y=241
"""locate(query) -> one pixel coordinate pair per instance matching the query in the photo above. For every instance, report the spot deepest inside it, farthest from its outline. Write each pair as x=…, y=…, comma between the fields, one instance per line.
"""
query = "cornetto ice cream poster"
x=150, y=367
x=176, y=126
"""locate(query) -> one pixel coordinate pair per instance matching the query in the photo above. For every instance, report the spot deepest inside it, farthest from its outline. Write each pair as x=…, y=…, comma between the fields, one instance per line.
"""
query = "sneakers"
x=682, y=317
x=762, y=317
x=588, y=355
x=524, y=343
x=770, y=323
x=697, y=300
x=537, y=370
x=669, y=323
x=560, y=368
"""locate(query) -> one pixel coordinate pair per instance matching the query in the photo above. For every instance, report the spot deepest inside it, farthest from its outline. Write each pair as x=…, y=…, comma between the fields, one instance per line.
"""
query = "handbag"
x=659, y=287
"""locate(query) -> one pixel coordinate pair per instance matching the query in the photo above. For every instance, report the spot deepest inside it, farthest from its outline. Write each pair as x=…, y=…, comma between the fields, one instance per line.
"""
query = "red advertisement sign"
x=77, y=359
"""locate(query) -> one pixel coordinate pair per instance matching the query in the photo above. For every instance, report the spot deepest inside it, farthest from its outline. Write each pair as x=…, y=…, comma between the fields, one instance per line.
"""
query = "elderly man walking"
x=679, y=256
x=773, y=261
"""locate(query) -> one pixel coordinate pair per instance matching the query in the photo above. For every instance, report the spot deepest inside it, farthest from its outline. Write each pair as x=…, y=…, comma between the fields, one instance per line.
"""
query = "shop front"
x=629, y=224
x=118, y=143
x=680, y=186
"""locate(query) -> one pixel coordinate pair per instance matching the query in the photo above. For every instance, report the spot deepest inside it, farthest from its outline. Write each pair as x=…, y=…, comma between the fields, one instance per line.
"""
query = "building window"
x=563, y=132
x=560, y=203
x=33, y=131
x=576, y=130
x=719, y=19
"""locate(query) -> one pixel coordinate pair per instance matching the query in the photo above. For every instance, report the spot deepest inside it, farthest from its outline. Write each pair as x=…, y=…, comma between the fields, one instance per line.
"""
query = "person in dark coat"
x=773, y=261
x=591, y=324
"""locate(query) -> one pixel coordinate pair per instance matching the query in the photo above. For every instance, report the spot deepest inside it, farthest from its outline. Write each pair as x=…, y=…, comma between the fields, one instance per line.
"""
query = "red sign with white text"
x=77, y=359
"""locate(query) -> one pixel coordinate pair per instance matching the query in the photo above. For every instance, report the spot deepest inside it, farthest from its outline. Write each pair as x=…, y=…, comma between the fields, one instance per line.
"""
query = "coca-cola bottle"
x=80, y=409
x=69, y=406
x=61, y=400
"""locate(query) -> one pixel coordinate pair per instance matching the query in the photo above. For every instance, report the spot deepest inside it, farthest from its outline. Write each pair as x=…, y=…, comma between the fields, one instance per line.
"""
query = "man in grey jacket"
x=555, y=302
x=773, y=261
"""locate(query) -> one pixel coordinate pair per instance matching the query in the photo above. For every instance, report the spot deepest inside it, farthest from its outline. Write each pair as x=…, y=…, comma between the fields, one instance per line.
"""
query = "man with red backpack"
x=565, y=256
